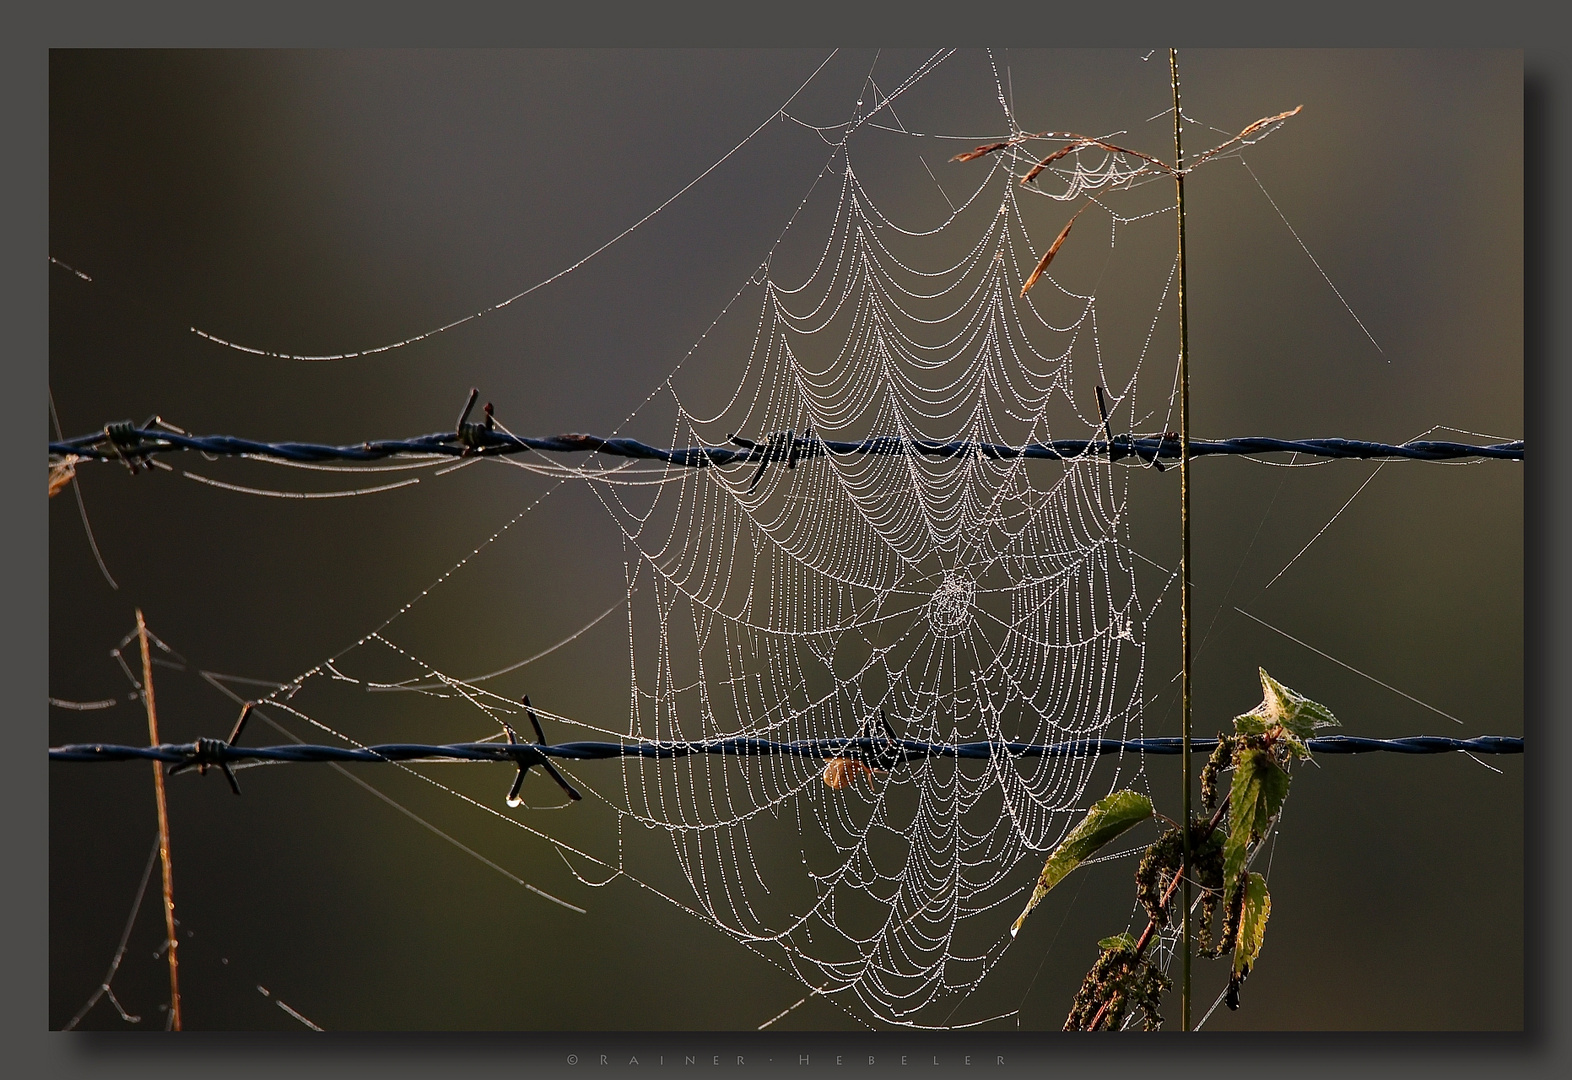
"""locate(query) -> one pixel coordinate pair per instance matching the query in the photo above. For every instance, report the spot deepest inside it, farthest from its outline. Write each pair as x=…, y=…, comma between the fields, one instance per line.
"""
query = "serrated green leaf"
x=1317, y=715
x=1118, y=941
x=1259, y=787
x=1241, y=816
x=1295, y=745
x=1274, y=791
x=1285, y=709
x=1250, y=723
x=1107, y=819
x=1252, y=925
x=1277, y=700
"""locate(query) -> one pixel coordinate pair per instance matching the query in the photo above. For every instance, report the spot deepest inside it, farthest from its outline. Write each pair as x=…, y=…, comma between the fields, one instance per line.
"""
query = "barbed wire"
x=886, y=752
x=136, y=445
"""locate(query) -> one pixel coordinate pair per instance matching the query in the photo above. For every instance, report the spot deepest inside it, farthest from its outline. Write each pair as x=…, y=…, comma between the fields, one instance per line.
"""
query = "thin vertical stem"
x=1184, y=536
x=163, y=825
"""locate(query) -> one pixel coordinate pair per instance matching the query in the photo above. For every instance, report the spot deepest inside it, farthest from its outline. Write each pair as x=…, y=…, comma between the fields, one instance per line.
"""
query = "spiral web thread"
x=951, y=598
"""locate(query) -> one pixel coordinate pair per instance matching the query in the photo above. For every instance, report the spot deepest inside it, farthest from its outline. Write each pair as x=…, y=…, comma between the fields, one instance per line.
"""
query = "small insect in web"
x=841, y=772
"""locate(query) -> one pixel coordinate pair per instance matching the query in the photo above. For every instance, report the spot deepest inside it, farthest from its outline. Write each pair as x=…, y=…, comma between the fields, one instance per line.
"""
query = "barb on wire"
x=215, y=752
x=533, y=755
x=210, y=752
x=136, y=446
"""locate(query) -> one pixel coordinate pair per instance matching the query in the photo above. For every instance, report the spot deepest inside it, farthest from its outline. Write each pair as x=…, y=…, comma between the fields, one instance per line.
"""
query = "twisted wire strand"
x=217, y=752
x=132, y=444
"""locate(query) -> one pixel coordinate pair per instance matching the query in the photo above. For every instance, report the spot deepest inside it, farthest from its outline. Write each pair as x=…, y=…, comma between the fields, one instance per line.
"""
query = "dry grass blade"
x=1025, y=136
x=163, y=827
x=1079, y=144
x=1265, y=121
x=1053, y=249
x=973, y=154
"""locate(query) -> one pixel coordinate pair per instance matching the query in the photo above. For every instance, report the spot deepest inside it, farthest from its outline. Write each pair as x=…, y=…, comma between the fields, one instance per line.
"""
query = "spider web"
x=958, y=597
x=822, y=595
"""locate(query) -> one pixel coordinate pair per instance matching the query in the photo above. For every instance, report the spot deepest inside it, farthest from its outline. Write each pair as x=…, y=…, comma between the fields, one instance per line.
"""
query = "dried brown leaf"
x=60, y=474
x=840, y=772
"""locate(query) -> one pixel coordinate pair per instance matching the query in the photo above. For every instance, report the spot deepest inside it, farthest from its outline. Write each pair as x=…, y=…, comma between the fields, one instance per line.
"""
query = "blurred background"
x=324, y=202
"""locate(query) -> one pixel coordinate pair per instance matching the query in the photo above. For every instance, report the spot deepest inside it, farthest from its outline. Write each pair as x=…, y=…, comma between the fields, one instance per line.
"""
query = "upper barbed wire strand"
x=134, y=443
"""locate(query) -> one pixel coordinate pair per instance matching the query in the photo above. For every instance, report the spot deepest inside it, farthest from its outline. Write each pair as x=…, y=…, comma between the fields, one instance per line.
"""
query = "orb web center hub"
x=950, y=608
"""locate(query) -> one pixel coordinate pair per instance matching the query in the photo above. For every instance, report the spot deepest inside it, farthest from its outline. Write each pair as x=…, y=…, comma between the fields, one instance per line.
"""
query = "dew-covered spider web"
x=931, y=589
x=954, y=596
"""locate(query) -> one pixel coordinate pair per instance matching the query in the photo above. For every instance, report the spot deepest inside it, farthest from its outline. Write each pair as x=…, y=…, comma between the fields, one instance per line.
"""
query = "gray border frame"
x=1547, y=80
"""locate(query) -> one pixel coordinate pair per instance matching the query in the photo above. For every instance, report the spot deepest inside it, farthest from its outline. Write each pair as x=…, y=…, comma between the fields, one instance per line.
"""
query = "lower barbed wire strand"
x=216, y=752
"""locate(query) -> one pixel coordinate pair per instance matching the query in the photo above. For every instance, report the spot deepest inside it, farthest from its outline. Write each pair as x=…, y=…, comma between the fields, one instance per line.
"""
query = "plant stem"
x=1182, y=874
x=163, y=825
x=1184, y=530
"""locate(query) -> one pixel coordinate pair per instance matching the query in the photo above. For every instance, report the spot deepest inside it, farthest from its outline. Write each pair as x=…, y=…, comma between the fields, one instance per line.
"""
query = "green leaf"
x=1252, y=925
x=1287, y=710
x=1259, y=787
x=1118, y=941
x=1250, y=724
x=1274, y=792
x=1295, y=745
x=1107, y=819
